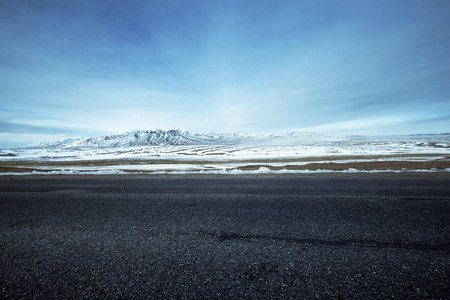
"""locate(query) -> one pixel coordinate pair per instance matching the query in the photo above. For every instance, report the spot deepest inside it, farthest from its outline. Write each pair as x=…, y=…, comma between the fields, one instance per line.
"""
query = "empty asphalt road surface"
x=215, y=238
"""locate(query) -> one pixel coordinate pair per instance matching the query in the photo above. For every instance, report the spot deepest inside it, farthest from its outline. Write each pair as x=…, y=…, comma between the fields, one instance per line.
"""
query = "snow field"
x=231, y=159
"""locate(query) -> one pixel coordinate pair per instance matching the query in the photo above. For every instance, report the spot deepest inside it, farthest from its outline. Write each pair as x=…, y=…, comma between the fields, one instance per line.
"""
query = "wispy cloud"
x=383, y=125
x=46, y=127
x=11, y=127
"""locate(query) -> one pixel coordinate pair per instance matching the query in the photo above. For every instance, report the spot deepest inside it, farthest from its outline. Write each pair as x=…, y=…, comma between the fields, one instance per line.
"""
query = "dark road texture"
x=251, y=238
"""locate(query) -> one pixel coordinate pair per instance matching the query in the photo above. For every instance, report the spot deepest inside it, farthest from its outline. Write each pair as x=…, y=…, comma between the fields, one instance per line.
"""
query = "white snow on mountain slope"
x=177, y=152
x=170, y=137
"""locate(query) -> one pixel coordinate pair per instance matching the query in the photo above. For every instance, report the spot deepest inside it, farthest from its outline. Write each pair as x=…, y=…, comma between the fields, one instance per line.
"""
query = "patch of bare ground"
x=208, y=149
x=7, y=154
x=432, y=144
x=332, y=163
x=140, y=161
x=20, y=170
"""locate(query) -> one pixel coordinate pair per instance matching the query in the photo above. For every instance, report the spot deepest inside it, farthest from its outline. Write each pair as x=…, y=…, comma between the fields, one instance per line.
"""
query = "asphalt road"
x=221, y=238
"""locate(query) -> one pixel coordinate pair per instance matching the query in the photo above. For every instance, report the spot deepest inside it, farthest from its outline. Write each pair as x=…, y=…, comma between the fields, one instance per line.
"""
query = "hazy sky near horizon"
x=86, y=68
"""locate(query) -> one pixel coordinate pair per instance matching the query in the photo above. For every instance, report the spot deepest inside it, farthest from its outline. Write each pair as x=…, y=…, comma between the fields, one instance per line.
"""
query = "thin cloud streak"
x=29, y=128
x=380, y=125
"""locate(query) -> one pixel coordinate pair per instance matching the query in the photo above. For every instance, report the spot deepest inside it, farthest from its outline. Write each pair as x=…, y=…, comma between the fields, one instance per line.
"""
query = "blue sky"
x=86, y=68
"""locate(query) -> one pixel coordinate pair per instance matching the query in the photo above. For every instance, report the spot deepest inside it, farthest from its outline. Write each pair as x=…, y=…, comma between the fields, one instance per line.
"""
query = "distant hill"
x=170, y=137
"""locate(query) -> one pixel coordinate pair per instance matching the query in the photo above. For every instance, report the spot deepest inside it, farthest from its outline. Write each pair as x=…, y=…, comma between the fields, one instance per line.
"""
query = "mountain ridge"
x=160, y=137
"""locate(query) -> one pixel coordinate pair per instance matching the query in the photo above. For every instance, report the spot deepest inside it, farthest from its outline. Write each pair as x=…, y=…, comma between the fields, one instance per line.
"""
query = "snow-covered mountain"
x=170, y=137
